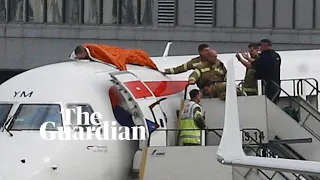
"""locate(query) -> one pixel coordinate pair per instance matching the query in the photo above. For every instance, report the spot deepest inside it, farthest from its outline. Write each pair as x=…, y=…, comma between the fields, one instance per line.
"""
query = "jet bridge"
x=268, y=130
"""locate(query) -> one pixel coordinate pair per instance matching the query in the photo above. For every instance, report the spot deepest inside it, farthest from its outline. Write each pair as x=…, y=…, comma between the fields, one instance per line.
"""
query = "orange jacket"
x=119, y=56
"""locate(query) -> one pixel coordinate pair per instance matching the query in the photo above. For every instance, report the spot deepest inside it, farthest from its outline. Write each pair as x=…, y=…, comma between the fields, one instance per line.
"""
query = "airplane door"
x=144, y=106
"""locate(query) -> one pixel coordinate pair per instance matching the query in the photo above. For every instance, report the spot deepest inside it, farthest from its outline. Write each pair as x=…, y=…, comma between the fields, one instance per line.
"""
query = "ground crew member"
x=217, y=90
x=192, y=64
x=250, y=84
x=192, y=118
x=213, y=69
x=267, y=68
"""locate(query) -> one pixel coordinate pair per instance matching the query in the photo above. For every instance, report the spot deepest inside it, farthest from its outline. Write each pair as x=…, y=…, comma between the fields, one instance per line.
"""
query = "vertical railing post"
x=203, y=137
x=260, y=92
x=303, y=90
x=167, y=139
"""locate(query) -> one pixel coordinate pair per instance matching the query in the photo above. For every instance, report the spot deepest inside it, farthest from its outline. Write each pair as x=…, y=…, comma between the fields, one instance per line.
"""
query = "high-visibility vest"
x=187, y=122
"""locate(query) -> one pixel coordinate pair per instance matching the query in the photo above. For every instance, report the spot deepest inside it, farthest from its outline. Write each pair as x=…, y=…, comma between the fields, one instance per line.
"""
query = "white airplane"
x=40, y=94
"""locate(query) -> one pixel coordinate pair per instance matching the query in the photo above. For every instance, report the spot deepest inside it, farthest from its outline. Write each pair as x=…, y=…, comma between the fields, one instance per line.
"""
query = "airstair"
x=304, y=111
x=268, y=131
x=288, y=130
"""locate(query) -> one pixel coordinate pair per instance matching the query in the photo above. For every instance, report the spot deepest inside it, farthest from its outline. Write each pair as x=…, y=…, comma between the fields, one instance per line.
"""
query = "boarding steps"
x=189, y=163
x=262, y=122
x=262, y=125
x=307, y=123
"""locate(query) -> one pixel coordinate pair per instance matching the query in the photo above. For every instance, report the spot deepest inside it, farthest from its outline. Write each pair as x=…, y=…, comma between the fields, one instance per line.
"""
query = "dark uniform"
x=192, y=64
x=219, y=91
x=250, y=84
x=207, y=71
x=267, y=68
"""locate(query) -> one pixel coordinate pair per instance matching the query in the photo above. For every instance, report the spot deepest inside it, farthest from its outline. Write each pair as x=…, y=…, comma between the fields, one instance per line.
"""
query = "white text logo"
x=89, y=127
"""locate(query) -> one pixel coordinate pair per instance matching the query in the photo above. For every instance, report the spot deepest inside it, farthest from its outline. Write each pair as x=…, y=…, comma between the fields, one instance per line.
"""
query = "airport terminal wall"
x=46, y=33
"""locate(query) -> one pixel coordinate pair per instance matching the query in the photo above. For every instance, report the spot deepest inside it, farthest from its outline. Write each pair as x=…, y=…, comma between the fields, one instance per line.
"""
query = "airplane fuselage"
x=56, y=87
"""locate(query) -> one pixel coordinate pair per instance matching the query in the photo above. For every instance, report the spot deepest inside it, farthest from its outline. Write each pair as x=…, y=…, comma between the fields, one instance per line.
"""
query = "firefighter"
x=213, y=69
x=192, y=64
x=192, y=120
x=250, y=84
x=217, y=90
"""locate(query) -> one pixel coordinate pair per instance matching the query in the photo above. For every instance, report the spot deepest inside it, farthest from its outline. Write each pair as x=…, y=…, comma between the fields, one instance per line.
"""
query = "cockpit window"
x=32, y=116
x=85, y=113
x=4, y=111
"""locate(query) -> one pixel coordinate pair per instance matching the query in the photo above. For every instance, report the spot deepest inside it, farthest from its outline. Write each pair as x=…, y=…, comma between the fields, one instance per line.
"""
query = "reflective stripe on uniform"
x=192, y=78
x=205, y=70
x=191, y=111
x=197, y=113
x=196, y=64
x=185, y=120
x=250, y=89
x=190, y=136
x=185, y=66
x=218, y=70
x=198, y=72
x=172, y=70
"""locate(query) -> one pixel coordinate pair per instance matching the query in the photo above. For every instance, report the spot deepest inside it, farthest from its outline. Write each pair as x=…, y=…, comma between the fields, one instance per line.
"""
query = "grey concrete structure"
x=38, y=35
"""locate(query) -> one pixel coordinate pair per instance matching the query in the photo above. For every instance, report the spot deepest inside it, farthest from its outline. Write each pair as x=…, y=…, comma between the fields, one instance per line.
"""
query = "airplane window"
x=85, y=109
x=4, y=111
x=121, y=110
x=32, y=116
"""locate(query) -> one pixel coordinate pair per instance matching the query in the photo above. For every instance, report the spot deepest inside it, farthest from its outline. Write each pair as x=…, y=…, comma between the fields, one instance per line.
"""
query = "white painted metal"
x=141, y=108
x=185, y=163
x=63, y=83
x=252, y=114
x=230, y=150
x=166, y=51
x=260, y=92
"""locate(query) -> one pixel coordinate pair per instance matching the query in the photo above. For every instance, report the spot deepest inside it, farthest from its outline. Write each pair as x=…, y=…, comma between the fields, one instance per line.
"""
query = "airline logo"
x=158, y=152
x=152, y=126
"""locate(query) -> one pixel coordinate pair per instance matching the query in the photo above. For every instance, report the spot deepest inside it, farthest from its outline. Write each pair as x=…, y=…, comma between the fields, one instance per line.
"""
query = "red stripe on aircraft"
x=138, y=89
x=158, y=88
x=166, y=88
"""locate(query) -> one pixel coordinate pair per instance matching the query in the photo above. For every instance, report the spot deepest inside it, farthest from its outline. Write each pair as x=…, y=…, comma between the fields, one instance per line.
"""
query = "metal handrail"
x=249, y=146
x=271, y=155
x=185, y=91
x=295, y=86
x=208, y=130
x=309, y=113
x=314, y=88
